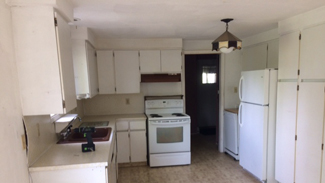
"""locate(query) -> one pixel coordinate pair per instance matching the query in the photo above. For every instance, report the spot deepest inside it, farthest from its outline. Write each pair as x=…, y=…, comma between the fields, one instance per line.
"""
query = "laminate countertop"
x=70, y=156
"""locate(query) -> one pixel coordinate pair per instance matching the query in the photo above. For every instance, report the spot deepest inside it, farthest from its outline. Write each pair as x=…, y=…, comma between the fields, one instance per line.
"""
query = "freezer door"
x=253, y=139
x=254, y=87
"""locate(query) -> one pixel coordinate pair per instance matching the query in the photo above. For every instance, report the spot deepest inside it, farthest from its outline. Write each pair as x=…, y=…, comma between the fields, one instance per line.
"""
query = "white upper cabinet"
x=127, y=73
x=118, y=72
x=288, y=56
x=312, y=61
x=44, y=61
x=106, y=73
x=150, y=61
x=164, y=61
x=85, y=68
x=171, y=61
x=255, y=57
x=273, y=54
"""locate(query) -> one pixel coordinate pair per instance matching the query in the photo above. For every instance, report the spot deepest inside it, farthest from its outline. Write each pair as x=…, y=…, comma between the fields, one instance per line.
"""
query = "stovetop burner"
x=155, y=116
x=178, y=114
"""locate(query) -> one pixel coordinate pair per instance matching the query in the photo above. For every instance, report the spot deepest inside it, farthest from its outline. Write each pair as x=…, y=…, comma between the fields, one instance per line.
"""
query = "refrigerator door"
x=253, y=139
x=254, y=87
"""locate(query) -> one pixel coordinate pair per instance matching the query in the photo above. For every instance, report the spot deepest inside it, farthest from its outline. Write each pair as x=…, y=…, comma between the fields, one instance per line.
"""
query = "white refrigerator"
x=256, y=118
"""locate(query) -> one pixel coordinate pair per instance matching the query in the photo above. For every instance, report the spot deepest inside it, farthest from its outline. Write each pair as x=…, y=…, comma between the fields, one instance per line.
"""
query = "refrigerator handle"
x=239, y=88
x=239, y=115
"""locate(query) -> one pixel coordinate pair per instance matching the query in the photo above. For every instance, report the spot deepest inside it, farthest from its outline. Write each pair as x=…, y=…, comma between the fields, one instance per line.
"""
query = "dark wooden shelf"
x=153, y=78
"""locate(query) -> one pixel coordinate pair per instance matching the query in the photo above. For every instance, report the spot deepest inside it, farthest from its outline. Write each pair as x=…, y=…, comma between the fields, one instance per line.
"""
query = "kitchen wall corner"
x=40, y=135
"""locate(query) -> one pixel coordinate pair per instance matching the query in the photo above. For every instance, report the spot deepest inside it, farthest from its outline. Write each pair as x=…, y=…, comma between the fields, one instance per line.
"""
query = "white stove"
x=169, y=132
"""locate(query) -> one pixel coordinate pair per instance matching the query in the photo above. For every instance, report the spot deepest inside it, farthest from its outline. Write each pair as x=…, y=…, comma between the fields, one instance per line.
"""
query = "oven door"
x=169, y=137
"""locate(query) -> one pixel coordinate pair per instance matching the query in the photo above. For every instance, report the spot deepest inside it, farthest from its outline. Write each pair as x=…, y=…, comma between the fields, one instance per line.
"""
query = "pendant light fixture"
x=227, y=42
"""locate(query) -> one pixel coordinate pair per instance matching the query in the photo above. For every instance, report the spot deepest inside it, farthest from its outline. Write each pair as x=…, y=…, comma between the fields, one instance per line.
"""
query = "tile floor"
x=208, y=166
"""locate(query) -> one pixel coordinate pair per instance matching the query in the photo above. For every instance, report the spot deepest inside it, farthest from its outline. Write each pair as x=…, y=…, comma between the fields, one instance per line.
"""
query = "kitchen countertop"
x=232, y=110
x=69, y=156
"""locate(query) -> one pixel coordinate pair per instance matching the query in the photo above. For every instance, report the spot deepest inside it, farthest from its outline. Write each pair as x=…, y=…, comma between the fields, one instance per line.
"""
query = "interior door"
x=253, y=139
x=310, y=123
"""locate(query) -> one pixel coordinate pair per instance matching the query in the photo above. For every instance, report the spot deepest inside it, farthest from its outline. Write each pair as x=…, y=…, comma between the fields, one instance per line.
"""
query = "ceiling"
x=186, y=19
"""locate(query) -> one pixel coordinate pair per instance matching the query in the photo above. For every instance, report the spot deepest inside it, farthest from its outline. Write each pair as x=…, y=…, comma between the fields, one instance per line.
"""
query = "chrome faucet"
x=67, y=130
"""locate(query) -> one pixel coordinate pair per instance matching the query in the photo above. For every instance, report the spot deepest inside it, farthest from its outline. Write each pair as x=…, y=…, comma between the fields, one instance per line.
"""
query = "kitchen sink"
x=101, y=134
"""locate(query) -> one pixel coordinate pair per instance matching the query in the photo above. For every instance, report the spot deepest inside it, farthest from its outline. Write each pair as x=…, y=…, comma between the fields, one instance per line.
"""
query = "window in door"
x=209, y=75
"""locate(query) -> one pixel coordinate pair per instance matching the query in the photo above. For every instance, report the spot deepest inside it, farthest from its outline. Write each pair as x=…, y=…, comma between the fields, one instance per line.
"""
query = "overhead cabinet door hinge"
x=297, y=87
x=322, y=146
x=299, y=36
x=55, y=21
x=63, y=103
x=298, y=72
x=296, y=138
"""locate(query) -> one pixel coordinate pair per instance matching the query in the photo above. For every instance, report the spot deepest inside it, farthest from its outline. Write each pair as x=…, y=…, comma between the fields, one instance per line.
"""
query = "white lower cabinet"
x=310, y=128
x=285, y=132
x=131, y=141
x=112, y=171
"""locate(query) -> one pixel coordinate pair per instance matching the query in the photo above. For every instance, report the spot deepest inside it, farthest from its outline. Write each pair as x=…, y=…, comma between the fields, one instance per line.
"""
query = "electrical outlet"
x=235, y=89
x=127, y=101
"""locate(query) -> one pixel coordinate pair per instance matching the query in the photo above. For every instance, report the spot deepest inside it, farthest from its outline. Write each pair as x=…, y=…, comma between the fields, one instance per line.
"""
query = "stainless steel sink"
x=101, y=134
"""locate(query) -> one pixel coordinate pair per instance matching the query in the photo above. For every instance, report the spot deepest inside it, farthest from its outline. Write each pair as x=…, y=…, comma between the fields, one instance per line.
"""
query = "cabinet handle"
x=112, y=157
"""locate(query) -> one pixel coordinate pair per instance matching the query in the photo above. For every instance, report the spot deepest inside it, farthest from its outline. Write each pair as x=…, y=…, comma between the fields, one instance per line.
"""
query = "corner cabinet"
x=44, y=61
x=131, y=141
x=118, y=72
x=161, y=61
x=85, y=68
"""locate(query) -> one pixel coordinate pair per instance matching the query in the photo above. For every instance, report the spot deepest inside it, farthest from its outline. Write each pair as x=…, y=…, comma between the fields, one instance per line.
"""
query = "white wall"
x=233, y=68
x=13, y=161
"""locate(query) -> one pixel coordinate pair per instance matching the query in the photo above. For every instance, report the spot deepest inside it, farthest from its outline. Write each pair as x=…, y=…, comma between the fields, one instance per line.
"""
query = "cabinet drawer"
x=137, y=125
x=122, y=125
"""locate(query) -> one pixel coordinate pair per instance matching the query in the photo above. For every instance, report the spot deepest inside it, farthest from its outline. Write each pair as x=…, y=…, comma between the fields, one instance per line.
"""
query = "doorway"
x=202, y=93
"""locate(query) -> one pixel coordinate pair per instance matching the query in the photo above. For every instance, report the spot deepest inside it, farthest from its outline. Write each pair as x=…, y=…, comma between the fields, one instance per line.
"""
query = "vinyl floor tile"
x=208, y=165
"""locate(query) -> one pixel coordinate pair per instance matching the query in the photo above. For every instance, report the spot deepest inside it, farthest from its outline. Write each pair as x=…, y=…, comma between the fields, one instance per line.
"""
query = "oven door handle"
x=168, y=124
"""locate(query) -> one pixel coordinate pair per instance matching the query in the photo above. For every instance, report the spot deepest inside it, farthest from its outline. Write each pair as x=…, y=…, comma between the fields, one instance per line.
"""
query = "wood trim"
x=152, y=78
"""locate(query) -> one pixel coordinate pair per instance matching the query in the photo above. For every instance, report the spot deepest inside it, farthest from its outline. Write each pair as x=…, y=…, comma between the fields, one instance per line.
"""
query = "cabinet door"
x=312, y=62
x=92, y=70
x=138, y=146
x=231, y=129
x=106, y=74
x=127, y=74
x=285, y=132
x=123, y=147
x=66, y=64
x=309, y=132
x=171, y=61
x=138, y=125
x=80, y=66
x=150, y=61
x=255, y=57
x=273, y=54
x=289, y=56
